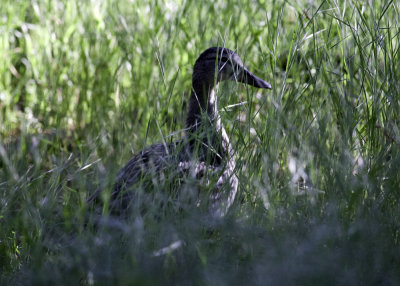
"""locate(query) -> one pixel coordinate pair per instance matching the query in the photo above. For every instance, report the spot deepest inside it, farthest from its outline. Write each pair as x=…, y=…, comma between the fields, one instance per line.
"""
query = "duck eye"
x=224, y=59
x=225, y=67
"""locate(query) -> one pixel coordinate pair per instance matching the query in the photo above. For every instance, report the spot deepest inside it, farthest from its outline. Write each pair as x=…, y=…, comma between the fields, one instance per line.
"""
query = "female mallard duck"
x=205, y=147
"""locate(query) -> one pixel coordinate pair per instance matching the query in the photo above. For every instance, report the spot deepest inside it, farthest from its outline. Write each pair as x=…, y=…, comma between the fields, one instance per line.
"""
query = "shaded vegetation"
x=84, y=85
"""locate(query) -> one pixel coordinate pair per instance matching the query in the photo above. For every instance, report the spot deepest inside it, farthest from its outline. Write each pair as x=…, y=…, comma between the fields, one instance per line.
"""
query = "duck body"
x=205, y=148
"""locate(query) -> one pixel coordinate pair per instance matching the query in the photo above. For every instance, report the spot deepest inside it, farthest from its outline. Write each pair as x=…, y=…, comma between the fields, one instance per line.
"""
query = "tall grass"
x=84, y=85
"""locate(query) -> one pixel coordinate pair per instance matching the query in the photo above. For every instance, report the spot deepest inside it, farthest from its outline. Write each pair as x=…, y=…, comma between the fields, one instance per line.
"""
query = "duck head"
x=218, y=64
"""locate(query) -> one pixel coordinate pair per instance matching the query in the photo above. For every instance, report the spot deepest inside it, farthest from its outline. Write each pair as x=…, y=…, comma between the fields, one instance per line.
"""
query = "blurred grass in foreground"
x=84, y=84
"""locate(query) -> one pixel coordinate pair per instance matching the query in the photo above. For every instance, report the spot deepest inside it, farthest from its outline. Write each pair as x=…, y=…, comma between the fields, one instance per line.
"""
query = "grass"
x=84, y=85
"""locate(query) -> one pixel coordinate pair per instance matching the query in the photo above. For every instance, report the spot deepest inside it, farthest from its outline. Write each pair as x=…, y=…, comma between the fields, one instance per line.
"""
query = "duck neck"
x=203, y=116
x=202, y=107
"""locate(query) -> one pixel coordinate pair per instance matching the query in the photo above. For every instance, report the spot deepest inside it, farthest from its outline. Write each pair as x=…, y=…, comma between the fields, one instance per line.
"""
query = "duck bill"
x=251, y=79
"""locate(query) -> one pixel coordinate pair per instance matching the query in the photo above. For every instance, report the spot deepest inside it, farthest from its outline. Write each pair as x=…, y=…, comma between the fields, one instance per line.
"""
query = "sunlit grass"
x=84, y=85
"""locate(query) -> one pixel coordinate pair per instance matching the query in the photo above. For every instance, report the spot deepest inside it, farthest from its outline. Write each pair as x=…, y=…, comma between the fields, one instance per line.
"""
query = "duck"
x=204, y=149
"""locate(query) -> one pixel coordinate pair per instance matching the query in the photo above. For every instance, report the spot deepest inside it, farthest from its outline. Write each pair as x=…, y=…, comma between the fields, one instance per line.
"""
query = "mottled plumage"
x=205, y=148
